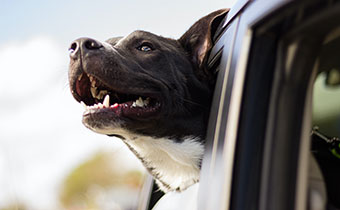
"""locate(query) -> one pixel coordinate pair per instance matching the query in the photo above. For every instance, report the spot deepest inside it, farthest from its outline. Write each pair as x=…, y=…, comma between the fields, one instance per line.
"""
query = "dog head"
x=144, y=84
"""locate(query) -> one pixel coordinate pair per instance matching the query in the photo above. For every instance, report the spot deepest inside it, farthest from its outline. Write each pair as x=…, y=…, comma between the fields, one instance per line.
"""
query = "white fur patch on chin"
x=175, y=165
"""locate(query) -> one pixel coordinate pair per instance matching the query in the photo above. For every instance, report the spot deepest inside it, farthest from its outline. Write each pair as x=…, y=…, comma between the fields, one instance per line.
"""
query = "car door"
x=258, y=152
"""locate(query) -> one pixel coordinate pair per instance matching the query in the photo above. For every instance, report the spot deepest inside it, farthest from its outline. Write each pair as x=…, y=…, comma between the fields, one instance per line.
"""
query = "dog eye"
x=145, y=48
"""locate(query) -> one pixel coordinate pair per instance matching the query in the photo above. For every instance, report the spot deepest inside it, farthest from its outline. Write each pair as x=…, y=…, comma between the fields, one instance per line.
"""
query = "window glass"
x=326, y=109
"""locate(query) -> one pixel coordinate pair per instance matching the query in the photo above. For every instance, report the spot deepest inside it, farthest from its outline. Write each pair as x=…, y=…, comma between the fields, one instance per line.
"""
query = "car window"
x=273, y=164
x=326, y=96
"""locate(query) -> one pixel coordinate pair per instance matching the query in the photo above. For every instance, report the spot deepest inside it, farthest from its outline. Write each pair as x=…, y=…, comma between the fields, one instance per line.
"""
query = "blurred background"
x=48, y=159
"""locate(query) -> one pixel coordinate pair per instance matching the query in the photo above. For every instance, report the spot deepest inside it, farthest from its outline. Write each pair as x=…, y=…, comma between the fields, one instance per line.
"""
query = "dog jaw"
x=174, y=163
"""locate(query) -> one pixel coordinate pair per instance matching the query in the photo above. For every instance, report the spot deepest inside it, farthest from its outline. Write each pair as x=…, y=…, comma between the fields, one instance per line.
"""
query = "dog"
x=152, y=92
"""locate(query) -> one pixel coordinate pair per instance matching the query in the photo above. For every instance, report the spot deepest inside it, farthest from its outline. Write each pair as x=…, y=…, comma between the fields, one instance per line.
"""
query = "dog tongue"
x=82, y=87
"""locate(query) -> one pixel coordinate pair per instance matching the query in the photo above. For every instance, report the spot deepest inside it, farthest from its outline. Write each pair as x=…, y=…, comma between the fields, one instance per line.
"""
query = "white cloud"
x=27, y=65
x=41, y=135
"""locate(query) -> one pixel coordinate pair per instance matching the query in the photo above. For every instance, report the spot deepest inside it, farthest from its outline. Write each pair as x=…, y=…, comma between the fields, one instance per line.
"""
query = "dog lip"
x=80, y=89
x=121, y=110
x=131, y=103
x=91, y=90
x=122, y=100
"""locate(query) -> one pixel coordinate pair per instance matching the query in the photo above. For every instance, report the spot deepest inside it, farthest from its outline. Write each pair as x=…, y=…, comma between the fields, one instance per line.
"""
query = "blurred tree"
x=14, y=206
x=87, y=183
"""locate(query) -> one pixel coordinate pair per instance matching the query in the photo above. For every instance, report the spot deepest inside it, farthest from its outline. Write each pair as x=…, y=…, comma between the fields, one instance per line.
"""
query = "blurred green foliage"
x=15, y=206
x=97, y=175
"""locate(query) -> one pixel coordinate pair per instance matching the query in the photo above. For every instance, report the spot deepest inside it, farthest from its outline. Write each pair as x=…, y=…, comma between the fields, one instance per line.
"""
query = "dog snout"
x=83, y=45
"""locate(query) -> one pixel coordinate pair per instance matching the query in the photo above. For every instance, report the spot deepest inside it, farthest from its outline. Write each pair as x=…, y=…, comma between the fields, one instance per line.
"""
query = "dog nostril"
x=83, y=45
x=73, y=50
x=73, y=47
x=92, y=44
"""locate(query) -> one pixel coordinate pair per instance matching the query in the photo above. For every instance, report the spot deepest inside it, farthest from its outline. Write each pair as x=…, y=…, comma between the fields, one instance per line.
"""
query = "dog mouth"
x=98, y=98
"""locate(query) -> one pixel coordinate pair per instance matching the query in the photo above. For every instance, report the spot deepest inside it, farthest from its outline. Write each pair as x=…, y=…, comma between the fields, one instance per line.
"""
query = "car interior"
x=325, y=145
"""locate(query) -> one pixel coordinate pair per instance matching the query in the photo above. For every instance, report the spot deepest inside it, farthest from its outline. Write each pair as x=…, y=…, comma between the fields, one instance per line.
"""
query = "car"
x=275, y=62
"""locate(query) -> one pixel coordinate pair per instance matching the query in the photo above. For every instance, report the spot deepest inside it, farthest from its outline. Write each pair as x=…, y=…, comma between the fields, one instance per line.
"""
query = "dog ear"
x=197, y=41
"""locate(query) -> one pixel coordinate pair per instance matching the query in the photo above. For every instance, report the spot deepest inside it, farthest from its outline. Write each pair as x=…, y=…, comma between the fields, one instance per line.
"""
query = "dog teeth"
x=81, y=76
x=140, y=102
x=90, y=77
x=98, y=95
x=105, y=104
x=92, y=80
x=101, y=106
x=96, y=106
x=106, y=101
x=116, y=105
x=93, y=83
x=94, y=92
x=101, y=94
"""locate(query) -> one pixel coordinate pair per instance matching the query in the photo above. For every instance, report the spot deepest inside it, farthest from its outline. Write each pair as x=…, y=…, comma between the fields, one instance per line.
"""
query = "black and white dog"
x=152, y=92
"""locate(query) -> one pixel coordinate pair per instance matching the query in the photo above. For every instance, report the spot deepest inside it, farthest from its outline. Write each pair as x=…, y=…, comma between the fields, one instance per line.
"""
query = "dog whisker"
x=192, y=102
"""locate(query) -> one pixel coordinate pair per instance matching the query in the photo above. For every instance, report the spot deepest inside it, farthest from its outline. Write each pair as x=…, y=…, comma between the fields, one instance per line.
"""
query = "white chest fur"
x=175, y=165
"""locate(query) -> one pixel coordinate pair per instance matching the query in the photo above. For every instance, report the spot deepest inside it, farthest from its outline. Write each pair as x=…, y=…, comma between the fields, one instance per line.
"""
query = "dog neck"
x=174, y=164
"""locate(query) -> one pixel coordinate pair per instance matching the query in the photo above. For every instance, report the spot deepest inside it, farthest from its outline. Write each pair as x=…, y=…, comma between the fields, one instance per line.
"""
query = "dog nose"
x=83, y=45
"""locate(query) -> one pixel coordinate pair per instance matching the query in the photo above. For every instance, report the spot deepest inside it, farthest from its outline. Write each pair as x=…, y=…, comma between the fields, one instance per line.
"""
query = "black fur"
x=170, y=74
x=173, y=72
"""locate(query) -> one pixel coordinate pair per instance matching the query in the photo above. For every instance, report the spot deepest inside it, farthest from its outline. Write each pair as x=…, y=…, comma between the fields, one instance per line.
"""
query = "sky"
x=41, y=134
